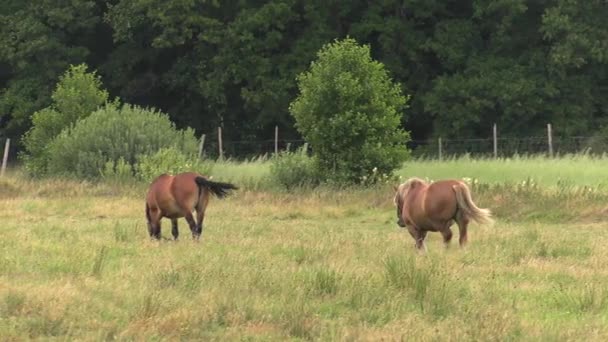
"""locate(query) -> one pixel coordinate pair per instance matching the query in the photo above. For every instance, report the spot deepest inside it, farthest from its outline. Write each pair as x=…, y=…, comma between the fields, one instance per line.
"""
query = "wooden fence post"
x=440, y=149
x=219, y=139
x=7, y=144
x=550, y=140
x=495, y=138
x=276, y=139
x=201, y=146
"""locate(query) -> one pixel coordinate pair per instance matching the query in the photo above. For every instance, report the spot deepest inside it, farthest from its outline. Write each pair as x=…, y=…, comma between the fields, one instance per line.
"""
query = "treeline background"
x=467, y=64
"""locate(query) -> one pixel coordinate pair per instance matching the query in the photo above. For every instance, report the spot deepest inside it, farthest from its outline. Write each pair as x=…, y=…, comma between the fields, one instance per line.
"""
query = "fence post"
x=550, y=140
x=201, y=146
x=276, y=139
x=495, y=138
x=7, y=144
x=219, y=139
x=440, y=149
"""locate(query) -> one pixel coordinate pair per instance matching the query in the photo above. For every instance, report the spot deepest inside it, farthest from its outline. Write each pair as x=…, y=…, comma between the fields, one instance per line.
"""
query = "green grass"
x=76, y=263
x=565, y=171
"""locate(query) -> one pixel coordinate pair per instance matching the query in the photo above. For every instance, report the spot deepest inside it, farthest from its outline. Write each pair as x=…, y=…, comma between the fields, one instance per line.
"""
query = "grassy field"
x=567, y=171
x=76, y=262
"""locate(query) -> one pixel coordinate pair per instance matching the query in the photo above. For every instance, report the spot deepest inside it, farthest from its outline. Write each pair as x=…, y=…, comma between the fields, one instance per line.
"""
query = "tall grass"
x=575, y=169
x=566, y=171
x=325, y=264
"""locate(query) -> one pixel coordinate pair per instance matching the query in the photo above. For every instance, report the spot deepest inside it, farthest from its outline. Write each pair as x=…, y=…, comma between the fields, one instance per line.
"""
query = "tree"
x=466, y=64
x=38, y=41
x=77, y=95
x=350, y=110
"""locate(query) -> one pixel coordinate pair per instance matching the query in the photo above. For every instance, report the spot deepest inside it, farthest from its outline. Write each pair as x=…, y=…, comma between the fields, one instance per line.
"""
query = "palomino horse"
x=424, y=207
x=177, y=196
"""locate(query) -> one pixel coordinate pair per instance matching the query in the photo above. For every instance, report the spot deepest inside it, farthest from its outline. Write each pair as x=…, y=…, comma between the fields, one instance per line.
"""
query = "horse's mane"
x=404, y=187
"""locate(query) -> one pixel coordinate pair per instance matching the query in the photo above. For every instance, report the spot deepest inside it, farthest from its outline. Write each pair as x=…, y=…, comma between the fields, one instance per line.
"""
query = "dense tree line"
x=466, y=64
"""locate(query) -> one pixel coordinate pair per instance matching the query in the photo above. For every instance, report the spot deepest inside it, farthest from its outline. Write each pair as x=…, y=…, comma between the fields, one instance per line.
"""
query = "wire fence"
x=508, y=147
x=436, y=148
x=431, y=148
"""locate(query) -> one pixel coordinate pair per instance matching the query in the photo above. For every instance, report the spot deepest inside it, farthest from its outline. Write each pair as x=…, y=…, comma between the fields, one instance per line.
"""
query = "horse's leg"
x=190, y=219
x=157, y=230
x=154, y=224
x=420, y=242
x=200, y=211
x=463, y=223
x=200, y=216
x=174, y=229
x=418, y=236
x=446, y=232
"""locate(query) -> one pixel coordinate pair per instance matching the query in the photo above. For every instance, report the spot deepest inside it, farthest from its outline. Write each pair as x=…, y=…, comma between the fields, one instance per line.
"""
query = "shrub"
x=169, y=160
x=349, y=110
x=117, y=171
x=77, y=94
x=598, y=143
x=111, y=133
x=294, y=169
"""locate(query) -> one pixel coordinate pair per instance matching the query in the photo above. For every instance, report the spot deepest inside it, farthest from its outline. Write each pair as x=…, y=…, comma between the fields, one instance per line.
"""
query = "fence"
x=507, y=147
x=8, y=153
x=433, y=148
x=214, y=146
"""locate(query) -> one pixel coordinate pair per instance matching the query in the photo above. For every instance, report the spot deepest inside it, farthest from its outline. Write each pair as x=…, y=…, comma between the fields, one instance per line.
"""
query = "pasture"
x=76, y=262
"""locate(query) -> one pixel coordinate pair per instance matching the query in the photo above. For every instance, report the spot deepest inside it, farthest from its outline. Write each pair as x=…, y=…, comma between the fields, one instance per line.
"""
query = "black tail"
x=219, y=189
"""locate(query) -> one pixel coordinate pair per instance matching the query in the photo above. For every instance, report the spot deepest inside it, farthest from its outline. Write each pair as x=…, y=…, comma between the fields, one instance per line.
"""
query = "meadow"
x=310, y=264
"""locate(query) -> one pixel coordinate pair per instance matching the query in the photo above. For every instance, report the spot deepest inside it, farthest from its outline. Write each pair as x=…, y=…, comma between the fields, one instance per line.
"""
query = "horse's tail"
x=219, y=189
x=466, y=204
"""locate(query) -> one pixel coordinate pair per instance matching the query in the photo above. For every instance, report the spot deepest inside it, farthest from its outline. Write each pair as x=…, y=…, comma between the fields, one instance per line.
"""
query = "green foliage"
x=169, y=160
x=350, y=111
x=112, y=133
x=117, y=171
x=467, y=64
x=38, y=42
x=294, y=169
x=77, y=95
x=598, y=143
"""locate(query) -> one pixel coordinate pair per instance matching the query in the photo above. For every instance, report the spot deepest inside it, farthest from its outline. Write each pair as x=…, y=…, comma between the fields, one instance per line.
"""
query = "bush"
x=112, y=133
x=171, y=161
x=77, y=94
x=117, y=171
x=598, y=143
x=349, y=110
x=294, y=169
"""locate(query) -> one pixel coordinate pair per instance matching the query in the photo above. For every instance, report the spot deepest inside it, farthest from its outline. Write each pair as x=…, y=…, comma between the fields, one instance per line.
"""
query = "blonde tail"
x=471, y=211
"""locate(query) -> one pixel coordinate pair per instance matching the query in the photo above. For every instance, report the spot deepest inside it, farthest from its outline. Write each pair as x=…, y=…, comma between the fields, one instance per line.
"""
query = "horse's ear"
x=395, y=188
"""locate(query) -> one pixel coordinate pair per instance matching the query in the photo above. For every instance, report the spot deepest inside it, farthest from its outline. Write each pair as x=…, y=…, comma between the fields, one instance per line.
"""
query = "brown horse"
x=424, y=207
x=178, y=196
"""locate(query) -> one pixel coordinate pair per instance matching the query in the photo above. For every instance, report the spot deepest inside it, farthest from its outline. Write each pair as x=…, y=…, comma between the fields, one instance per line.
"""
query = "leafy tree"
x=209, y=63
x=349, y=110
x=77, y=95
x=38, y=41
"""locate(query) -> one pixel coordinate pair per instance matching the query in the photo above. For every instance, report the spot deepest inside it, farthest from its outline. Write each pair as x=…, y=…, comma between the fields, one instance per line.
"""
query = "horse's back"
x=185, y=190
x=159, y=185
x=174, y=195
x=440, y=199
x=433, y=205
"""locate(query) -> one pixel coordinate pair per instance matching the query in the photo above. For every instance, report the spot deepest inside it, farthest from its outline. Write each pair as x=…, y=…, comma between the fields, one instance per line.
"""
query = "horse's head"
x=400, y=195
